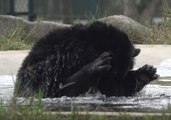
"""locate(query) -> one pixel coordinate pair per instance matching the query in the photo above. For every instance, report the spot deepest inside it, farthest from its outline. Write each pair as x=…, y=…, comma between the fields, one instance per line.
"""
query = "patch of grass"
x=38, y=112
x=161, y=33
x=15, y=40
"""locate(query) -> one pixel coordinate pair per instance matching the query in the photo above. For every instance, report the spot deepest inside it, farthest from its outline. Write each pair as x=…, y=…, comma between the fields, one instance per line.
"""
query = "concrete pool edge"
x=10, y=61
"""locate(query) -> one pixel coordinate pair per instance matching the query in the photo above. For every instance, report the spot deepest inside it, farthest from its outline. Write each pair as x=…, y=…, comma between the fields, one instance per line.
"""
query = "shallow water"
x=155, y=96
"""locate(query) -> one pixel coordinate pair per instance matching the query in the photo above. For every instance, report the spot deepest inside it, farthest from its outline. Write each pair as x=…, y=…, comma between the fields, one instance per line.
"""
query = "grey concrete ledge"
x=10, y=61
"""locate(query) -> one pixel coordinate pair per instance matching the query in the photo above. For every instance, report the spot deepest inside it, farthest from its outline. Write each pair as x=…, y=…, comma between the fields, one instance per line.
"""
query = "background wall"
x=68, y=11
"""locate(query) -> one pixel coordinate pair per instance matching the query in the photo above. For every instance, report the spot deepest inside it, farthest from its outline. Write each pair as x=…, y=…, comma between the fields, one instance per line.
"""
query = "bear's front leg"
x=87, y=76
x=145, y=75
x=137, y=79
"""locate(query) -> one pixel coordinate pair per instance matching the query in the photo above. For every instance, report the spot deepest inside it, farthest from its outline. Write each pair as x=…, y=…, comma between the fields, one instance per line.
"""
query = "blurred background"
x=69, y=11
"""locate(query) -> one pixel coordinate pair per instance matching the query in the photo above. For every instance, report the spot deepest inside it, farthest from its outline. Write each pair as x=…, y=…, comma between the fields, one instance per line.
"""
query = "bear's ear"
x=136, y=52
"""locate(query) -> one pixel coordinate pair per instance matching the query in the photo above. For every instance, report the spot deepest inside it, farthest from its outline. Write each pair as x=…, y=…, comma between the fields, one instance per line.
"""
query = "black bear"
x=69, y=61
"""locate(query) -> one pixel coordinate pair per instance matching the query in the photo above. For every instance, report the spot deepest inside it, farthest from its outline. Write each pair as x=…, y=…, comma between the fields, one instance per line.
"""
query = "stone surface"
x=38, y=29
x=33, y=30
x=136, y=32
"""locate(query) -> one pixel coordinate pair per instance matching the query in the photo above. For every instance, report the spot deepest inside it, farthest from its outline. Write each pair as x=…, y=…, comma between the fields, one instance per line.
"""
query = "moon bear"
x=71, y=61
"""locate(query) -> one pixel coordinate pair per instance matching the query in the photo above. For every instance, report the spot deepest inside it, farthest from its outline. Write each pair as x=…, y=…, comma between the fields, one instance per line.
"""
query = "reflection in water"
x=153, y=97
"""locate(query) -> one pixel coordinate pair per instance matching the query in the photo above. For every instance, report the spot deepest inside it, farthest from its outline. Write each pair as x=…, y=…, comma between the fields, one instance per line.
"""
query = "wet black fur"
x=63, y=52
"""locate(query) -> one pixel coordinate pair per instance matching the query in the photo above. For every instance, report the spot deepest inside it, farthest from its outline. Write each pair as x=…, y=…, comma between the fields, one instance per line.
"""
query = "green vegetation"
x=18, y=40
x=15, y=40
x=161, y=33
x=38, y=113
